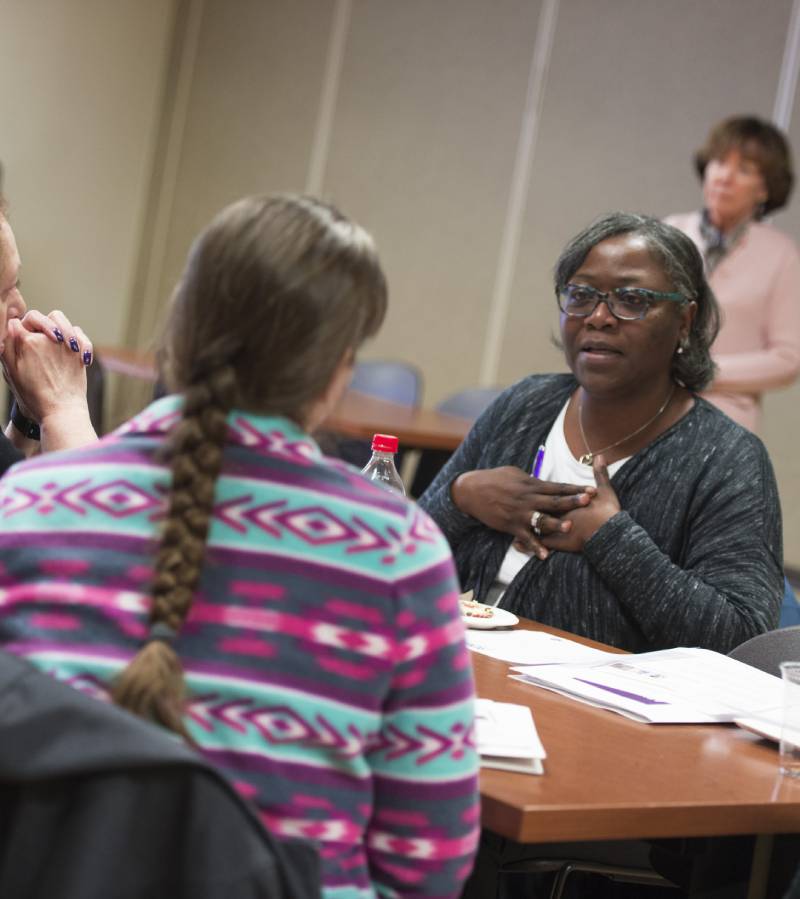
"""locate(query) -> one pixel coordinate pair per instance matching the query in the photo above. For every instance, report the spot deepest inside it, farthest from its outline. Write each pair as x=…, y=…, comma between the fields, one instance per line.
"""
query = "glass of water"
x=790, y=726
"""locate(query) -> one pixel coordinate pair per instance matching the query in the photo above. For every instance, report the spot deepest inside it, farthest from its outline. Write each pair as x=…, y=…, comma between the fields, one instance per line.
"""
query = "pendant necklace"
x=588, y=457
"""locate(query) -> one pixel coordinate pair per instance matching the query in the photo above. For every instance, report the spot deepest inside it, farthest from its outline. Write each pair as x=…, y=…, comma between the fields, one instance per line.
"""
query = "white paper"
x=522, y=647
x=769, y=724
x=507, y=737
x=765, y=727
x=673, y=686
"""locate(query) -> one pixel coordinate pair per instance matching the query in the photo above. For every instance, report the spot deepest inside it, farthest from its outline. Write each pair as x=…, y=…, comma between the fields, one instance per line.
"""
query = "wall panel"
x=81, y=84
x=422, y=149
x=251, y=111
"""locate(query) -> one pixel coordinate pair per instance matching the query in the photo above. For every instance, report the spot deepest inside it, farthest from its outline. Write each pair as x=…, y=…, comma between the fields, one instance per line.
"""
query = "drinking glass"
x=790, y=725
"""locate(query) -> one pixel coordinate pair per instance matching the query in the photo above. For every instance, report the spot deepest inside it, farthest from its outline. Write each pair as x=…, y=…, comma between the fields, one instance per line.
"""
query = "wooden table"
x=607, y=777
x=127, y=362
x=359, y=415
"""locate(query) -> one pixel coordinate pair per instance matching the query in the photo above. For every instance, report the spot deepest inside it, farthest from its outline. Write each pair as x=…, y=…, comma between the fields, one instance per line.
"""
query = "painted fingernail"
x=87, y=358
x=73, y=345
x=58, y=335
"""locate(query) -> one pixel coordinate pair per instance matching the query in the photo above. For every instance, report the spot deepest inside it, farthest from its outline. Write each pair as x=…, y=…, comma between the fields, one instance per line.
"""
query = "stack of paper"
x=767, y=725
x=523, y=647
x=507, y=737
x=672, y=686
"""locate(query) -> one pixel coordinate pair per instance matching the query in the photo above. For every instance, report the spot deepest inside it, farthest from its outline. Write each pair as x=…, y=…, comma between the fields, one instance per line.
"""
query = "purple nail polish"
x=87, y=358
x=58, y=335
x=73, y=345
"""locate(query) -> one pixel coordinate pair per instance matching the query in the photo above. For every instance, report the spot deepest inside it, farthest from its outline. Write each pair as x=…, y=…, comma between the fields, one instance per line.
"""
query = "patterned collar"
x=717, y=245
x=265, y=434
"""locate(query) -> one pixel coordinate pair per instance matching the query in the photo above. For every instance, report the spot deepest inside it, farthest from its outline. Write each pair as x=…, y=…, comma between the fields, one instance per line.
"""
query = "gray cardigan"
x=693, y=559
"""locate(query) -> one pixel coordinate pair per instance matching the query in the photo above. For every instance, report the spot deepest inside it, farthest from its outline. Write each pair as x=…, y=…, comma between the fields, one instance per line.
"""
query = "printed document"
x=672, y=686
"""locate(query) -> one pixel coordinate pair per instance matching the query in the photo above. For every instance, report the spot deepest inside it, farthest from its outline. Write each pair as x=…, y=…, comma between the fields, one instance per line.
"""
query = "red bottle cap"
x=384, y=443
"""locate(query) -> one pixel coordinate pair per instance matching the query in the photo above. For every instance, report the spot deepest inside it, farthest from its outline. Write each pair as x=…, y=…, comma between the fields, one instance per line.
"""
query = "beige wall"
x=473, y=137
x=81, y=82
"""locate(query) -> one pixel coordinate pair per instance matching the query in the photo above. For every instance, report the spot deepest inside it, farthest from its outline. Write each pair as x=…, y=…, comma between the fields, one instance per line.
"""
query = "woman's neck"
x=627, y=423
x=727, y=226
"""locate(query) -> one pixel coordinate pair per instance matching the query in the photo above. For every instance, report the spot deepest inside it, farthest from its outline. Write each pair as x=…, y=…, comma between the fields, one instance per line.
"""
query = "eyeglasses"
x=624, y=303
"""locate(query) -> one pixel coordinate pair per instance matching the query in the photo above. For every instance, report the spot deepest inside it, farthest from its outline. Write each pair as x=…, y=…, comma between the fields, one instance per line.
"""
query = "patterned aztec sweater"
x=693, y=559
x=324, y=651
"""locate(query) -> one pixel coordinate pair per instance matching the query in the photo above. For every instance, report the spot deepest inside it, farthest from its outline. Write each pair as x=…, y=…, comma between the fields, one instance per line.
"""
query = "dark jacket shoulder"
x=95, y=802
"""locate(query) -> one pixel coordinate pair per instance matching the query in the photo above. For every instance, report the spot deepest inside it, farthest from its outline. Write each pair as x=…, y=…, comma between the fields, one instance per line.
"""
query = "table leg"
x=759, y=870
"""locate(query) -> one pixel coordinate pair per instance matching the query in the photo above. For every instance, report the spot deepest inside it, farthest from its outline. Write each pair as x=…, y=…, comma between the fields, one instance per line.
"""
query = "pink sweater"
x=758, y=288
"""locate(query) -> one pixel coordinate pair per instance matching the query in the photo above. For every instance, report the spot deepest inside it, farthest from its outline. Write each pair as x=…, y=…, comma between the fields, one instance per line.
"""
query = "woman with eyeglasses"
x=653, y=519
x=754, y=269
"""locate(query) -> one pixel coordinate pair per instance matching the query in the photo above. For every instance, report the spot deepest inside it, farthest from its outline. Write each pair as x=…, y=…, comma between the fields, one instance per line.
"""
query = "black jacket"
x=97, y=803
x=693, y=559
x=9, y=454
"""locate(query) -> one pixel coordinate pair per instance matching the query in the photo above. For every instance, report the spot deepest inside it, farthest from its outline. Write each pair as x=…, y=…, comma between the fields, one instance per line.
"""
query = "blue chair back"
x=398, y=382
x=469, y=403
x=790, y=608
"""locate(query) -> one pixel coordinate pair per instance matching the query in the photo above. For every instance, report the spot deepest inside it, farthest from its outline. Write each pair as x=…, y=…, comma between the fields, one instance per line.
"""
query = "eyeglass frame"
x=649, y=297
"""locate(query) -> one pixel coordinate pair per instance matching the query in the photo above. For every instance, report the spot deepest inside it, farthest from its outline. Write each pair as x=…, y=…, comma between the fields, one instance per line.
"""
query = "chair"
x=564, y=868
x=469, y=404
x=96, y=802
x=767, y=651
x=794, y=889
x=790, y=608
x=397, y=382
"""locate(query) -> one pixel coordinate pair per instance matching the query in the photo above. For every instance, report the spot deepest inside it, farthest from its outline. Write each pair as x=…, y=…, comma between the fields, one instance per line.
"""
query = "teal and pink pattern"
x=324, y=651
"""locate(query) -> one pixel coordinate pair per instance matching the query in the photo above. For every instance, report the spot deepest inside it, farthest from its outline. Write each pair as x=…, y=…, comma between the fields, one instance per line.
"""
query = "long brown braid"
x=277, y=291
x=152, y=685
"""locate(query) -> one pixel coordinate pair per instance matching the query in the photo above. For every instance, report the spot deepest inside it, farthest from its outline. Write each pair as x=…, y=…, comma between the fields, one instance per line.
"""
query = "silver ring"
x=535, y=519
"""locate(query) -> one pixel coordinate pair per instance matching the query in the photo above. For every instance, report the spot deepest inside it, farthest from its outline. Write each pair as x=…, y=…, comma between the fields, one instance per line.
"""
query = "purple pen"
x=537, y=462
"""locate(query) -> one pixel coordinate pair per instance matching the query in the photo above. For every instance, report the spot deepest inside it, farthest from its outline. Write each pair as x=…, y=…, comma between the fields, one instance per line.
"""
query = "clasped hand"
x=44, y=362
x=583, y=523
x=504, y=499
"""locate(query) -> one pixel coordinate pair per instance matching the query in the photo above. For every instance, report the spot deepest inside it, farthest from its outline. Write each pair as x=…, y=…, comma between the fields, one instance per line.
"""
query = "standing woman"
x=207, y=568
x=754, y=269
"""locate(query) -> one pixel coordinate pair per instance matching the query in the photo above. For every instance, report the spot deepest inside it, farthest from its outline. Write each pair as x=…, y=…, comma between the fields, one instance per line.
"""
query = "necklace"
x=588, y=457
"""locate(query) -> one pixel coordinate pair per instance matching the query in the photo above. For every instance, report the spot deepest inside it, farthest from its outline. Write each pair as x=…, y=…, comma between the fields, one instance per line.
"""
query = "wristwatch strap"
x=26, y=426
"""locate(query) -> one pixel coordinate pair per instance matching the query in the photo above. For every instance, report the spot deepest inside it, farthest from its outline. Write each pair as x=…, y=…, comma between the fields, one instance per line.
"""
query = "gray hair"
x=684, y=266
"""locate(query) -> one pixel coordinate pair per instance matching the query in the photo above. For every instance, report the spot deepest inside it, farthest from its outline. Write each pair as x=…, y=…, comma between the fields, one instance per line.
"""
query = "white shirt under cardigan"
x=558, y=465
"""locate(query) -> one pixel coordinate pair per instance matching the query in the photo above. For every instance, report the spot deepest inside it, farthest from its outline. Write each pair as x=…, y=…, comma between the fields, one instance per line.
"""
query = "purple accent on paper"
x=634, y=696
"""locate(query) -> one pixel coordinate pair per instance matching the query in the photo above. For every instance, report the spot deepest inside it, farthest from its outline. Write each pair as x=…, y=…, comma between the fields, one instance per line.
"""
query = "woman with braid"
x=209, y=569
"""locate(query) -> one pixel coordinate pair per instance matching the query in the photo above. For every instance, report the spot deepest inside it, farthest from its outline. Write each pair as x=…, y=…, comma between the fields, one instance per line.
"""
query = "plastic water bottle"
x=380, y=467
